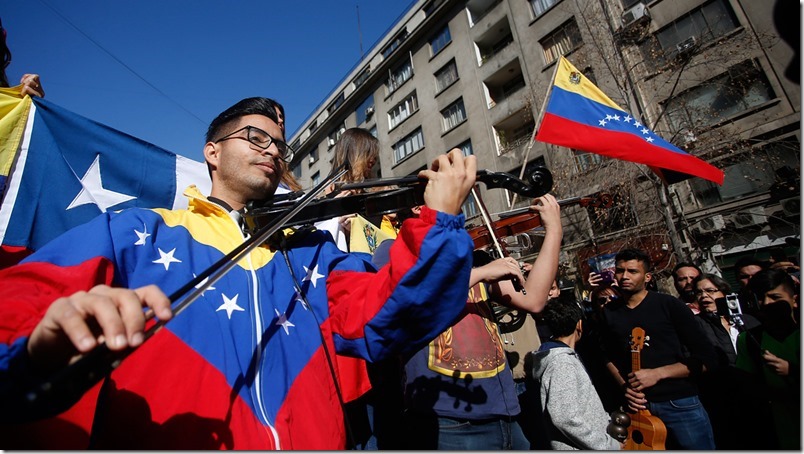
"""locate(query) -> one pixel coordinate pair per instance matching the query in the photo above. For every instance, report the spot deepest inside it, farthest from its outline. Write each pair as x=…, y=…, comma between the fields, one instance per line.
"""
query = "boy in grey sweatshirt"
x=572, y=410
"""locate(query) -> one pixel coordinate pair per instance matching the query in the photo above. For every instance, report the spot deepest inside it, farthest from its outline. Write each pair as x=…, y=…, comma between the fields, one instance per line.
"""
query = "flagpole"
x=536, y=128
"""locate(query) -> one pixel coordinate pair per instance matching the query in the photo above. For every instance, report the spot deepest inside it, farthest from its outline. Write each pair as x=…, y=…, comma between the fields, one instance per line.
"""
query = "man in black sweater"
x=673, y=357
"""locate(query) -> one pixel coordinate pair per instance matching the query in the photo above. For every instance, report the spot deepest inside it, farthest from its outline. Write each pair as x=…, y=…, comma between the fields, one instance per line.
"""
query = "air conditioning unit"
x=637, y=13
x=331, y=142
x=749, y=218
x=312, y=160
x=686, y=46
x=369, y=111
x=791, y=206
x=710, y=224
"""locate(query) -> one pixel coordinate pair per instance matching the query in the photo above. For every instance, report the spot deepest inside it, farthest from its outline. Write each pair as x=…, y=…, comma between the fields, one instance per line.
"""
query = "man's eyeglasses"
x=262, y=140
x=708, y=291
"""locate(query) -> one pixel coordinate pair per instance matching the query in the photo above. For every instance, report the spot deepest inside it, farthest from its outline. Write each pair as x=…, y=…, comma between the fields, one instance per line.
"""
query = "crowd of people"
x=306, y=344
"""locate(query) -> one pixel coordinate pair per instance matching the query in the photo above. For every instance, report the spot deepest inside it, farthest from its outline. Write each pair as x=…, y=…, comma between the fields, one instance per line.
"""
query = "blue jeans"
x=486, y=435
x=687, y=422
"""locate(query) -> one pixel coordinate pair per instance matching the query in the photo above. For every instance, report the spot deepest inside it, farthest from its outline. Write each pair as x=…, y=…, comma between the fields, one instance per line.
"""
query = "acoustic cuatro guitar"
x=646, y=432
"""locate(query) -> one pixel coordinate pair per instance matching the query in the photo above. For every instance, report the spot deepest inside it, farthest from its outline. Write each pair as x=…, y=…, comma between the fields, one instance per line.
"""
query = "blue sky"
x=192, y=58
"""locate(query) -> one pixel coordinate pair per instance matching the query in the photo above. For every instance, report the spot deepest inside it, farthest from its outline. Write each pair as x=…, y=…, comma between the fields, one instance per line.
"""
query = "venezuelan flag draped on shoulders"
x=59, y=170
x=579, y=115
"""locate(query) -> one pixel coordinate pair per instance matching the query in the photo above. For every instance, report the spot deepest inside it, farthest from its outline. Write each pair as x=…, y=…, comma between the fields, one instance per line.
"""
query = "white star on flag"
x=649, y=139
x=229, y=305
x=312, y=275
x=202, y=283
x=637, y=124
x=166, y=258
x=283, y=322
x=645, y=130
x=627, y=119
x=297, y=297
x=93, y=192
x=141, y=235
x=616, y=117
x=602, y=122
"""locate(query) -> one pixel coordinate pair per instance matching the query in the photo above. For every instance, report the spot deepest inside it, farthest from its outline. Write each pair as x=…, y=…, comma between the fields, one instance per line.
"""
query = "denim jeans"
x=486, y=435
x=687, y=422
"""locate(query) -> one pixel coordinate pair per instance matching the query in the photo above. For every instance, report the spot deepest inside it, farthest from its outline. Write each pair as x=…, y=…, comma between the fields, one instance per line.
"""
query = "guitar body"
x=646, y=433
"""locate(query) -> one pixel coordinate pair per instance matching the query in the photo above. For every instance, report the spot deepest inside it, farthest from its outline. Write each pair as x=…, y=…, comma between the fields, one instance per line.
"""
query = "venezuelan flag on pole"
x=579, y=115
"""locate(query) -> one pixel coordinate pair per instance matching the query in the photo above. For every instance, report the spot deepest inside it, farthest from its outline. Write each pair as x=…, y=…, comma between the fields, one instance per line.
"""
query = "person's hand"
x=643, y=379
x=549, y=212
x=501, y=269
x=346, y=222
x=76, y=324
x=451, y=177
x=31, y=85
x=594, y=280
x=777, y=365
x=636, y=400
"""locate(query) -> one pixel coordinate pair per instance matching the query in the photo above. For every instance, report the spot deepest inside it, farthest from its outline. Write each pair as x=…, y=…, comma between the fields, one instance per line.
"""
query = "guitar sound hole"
x=637, y=437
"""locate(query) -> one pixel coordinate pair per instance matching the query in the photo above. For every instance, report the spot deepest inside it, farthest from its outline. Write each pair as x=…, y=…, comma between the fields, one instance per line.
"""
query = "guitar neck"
x=636, y=362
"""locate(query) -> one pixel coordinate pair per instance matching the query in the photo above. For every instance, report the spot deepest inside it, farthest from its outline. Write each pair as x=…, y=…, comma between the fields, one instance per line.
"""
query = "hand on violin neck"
x=501, y=269
x=549, y=211
x=451, y=177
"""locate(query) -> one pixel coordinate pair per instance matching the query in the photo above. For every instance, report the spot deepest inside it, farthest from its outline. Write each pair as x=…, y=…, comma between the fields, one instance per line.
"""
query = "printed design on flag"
x=365, y=236
x=579, y=115
x=470, y=347
x=93, y=192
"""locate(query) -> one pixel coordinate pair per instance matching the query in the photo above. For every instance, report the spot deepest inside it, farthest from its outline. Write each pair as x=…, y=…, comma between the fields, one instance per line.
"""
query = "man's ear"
x=579, y=327
x=648, y=276
x=212, y=154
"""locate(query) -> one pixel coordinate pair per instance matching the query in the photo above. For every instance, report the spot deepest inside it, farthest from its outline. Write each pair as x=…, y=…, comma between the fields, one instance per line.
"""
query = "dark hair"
x=249, y=106
x=716, y=280
x=634, y=254
x=5, y=57
x=769, y=279
x=686, y=265
x=742, y=262
x=561, y=316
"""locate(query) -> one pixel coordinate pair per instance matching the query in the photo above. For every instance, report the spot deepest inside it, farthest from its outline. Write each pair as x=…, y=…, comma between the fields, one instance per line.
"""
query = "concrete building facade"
x=706, y=75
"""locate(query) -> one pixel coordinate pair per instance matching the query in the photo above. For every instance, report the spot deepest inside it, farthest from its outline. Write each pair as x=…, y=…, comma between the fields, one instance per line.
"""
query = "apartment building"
x=707, y=75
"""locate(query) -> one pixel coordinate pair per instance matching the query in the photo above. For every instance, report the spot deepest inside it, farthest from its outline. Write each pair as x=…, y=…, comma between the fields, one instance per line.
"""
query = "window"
x=403, y=110
x=466, y=148
x=297, y=171
x=540, y=6
x=446, y=76
x=362, y=77
x=453, y=115
x=742, y=87
x=336, y=134
x=296, y=144
x=408, y=145
x=316, y=178
x=313, y=156
x=313, y=126
x=585, y=161
x=335, y=104
x=365, y=110
x=440, y=41
x=390, y=48
x=753, y=172
x=399, y=76
x=469, y=208
x=560, y=42
x=373, y=130
x=704, y=24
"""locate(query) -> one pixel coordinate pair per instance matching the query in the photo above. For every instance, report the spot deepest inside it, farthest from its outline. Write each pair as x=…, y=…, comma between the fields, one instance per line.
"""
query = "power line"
x=122, y=63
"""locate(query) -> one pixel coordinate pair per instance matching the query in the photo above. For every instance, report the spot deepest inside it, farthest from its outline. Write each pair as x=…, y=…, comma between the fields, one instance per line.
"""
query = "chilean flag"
x=60, y=170
x=580, y=116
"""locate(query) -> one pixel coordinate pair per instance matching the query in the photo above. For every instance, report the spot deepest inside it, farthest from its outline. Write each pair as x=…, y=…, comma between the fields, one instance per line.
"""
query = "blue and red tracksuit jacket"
x=243, y=367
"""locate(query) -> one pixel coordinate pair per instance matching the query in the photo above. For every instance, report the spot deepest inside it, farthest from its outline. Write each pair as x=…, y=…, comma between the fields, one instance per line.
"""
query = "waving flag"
x=64, y=169
x=578, y=115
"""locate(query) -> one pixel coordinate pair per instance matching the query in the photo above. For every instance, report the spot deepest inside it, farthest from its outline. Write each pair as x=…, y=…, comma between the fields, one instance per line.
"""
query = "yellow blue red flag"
x=579, y=115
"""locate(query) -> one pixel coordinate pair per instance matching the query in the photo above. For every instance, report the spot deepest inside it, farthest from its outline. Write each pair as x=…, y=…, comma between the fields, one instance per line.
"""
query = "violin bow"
x=66, y=385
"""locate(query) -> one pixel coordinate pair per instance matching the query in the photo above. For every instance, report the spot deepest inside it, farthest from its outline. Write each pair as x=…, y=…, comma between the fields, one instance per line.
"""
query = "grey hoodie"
x=572, y=410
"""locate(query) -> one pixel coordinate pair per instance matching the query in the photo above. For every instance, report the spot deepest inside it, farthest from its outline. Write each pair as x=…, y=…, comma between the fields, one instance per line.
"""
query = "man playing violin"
x=253, y=363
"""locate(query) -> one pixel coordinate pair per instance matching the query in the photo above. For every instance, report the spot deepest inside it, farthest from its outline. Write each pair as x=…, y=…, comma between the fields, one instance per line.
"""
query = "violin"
x=521, y=220
x=266, y=219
